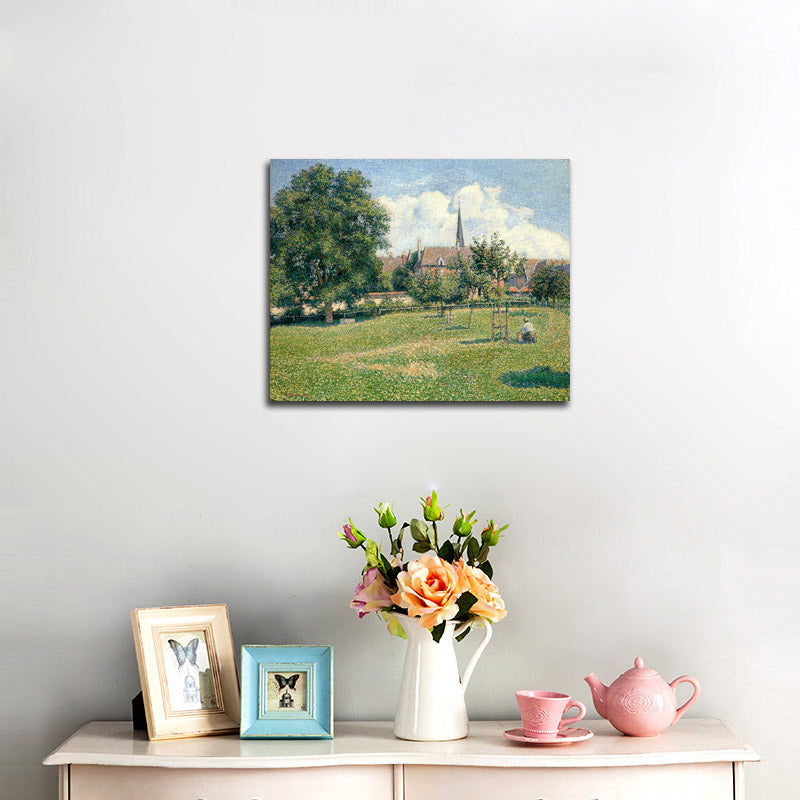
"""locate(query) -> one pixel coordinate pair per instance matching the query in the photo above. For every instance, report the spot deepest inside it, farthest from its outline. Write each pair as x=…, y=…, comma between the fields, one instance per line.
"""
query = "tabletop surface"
x=691, y=741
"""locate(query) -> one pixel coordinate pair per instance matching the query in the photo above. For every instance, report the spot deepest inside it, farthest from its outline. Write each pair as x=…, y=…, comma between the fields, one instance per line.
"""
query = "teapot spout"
x=599, y=690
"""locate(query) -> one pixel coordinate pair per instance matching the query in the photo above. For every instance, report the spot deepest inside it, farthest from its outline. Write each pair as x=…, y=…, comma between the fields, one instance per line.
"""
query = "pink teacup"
x=543, y=712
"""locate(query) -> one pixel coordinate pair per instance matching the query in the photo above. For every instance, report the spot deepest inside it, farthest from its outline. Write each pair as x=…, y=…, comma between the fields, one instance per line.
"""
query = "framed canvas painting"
x=419, y=280
x=287, y=692
x=187, y=670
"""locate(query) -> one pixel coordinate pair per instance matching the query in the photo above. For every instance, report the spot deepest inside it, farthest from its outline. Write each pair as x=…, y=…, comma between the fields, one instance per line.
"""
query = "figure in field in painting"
x=526, y=332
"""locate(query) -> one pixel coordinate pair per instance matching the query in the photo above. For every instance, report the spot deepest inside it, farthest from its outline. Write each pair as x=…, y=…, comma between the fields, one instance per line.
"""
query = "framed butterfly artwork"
x=187, y=670
x=287, y=692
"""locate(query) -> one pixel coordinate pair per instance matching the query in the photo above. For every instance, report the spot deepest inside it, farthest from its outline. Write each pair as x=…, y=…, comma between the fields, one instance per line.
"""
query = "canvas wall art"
x=413, y=280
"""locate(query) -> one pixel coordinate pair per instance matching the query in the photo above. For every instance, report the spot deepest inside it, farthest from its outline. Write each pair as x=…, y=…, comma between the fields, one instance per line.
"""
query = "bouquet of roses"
x=450, y=580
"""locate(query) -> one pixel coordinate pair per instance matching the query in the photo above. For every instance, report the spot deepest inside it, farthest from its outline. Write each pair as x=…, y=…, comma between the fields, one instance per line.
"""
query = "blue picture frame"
x=287, y=692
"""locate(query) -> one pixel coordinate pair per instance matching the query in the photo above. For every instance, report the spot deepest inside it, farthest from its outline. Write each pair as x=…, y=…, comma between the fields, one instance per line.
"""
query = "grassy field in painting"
x=419, y=356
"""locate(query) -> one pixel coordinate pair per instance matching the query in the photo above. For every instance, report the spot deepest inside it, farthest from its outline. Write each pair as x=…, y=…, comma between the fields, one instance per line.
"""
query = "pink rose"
x=429, y=589
x=371, y=594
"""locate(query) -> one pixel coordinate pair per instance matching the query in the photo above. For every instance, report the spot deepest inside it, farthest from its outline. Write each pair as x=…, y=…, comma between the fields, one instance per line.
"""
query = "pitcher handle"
x=487, y=634
x=685, y=679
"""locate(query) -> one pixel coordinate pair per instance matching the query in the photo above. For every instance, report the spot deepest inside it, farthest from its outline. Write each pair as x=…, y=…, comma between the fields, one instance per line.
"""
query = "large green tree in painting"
x=551, y=282
x=494, y=260
x=324, y=230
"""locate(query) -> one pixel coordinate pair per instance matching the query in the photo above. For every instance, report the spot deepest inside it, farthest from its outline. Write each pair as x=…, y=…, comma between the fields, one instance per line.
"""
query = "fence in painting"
x=446, y=311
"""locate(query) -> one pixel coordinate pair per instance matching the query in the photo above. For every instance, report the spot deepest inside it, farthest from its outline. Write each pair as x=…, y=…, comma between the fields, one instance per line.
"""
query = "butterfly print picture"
x=185, y=653
x=187, y=670
x=288, y=684
x=283, y=681
x=189, y=681
x=286, y=691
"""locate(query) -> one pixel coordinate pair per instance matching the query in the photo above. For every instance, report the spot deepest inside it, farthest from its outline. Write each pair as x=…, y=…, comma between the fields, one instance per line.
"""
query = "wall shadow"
x=536, y=378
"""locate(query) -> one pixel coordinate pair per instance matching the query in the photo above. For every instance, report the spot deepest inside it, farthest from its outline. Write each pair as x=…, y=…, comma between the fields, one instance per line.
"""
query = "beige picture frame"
x=187, y=670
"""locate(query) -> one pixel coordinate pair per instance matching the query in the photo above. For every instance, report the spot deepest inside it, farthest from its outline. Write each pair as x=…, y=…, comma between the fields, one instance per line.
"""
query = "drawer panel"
x=684, y=781
x=159, y=783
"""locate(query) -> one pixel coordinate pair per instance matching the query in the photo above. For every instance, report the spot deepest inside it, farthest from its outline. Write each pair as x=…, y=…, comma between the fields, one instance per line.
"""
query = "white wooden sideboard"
x=698, y=759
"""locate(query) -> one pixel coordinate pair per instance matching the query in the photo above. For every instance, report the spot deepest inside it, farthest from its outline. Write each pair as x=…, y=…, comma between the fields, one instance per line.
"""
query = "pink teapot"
x=640, y=702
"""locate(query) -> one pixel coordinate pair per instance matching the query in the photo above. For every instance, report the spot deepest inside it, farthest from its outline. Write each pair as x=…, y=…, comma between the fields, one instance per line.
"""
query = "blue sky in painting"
x=526, y=200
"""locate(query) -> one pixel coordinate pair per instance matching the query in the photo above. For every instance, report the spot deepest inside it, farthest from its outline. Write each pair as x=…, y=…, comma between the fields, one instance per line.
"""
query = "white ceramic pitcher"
x=430, y=706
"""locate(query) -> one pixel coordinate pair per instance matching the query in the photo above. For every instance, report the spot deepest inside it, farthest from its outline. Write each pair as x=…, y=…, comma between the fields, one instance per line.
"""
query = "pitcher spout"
x=599, y=690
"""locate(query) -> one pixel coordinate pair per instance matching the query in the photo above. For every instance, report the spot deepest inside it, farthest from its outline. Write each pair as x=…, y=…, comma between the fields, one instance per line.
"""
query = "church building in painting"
x=437, y=260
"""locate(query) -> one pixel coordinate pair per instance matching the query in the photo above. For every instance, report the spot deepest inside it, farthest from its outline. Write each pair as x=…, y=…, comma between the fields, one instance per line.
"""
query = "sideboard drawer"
x=160, y=783
x=685, y=781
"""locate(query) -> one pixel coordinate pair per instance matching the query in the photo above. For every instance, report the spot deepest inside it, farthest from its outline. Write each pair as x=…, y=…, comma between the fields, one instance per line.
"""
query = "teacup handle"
x=487, y=634
x=581, y=713
x=685, y=679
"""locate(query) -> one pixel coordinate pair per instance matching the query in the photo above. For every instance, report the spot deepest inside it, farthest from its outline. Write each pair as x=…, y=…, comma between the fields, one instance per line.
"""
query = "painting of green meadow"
x=419, y=280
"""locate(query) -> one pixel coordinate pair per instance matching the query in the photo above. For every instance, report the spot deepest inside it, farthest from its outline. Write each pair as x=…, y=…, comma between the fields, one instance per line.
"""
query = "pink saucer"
x=564, y=736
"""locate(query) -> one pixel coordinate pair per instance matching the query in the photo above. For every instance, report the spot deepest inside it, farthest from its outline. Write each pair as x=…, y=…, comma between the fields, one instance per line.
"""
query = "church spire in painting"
x=459, y=230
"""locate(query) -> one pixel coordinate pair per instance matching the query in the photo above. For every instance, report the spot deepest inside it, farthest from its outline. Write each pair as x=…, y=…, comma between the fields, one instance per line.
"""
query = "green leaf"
x=466, y=601
x=386, y=567
x=422, y=547
x=437, y=631
x=488, y=569
x=394, y=626
x=419, y=530
x=372, y=552
x=397, y=545
x=463, y=635
x=472, y=548
x=483, y=554
x=447, y=552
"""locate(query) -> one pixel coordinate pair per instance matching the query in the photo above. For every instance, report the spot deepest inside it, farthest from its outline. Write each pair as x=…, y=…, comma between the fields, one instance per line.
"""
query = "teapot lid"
x=639, y=670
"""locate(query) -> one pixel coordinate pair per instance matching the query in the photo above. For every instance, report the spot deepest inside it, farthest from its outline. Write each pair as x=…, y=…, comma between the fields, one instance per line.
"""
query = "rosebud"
x=490, y=534
x=463, y=524
x=430, y=508
x=352, y=535
x=386, y=517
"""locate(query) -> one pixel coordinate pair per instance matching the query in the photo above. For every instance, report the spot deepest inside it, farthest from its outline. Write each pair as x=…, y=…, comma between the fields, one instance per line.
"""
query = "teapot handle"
x=685, y=679
x=487, y=634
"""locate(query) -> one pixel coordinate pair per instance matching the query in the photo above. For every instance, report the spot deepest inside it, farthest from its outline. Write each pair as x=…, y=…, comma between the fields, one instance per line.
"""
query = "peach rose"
x=429, y=589
x=489, y=604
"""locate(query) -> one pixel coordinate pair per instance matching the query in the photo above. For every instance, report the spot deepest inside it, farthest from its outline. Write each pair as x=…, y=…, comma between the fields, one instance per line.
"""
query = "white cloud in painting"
x=431, y=217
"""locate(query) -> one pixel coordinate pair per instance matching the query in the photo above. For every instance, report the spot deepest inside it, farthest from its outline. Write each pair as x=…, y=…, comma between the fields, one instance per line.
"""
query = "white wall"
x=653, y=515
